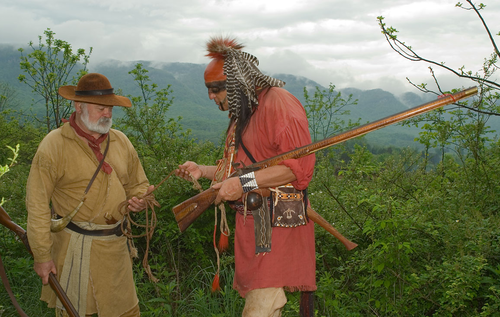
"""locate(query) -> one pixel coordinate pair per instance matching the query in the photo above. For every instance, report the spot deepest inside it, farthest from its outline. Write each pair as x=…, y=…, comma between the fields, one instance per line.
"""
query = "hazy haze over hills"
x=202, y=116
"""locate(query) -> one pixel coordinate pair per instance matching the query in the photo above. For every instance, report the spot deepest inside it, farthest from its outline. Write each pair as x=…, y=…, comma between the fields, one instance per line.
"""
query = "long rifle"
x=187, y=211
x=54, y=283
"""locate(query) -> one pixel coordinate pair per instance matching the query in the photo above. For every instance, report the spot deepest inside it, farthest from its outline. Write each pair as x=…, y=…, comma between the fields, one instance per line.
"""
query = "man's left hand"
x=135, y=204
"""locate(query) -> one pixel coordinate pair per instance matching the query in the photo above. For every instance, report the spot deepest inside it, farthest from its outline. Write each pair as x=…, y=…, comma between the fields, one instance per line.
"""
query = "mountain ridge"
x=201, y=115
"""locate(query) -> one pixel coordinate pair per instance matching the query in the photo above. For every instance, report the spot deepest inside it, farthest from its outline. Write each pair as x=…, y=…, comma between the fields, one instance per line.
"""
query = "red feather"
x=217, y=46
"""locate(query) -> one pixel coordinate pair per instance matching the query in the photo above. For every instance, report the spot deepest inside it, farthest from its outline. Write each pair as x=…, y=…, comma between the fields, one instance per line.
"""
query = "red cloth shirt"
x=278, y=125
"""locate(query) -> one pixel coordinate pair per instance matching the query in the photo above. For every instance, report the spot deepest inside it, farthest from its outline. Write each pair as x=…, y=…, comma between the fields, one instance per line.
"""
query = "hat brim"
x=68, y=92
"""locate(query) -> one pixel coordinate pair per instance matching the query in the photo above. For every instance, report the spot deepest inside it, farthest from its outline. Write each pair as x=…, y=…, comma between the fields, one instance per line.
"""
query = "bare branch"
x=481, y=6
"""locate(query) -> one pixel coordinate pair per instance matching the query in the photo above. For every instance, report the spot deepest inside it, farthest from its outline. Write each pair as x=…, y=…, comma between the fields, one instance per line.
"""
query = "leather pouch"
x=288, y=207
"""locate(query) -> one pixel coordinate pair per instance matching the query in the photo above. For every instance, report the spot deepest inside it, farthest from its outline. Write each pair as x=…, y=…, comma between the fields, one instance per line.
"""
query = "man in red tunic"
x=265, y=121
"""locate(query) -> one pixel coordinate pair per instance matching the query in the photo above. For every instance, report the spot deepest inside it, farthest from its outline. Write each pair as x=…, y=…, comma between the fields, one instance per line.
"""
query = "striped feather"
x=241, y=71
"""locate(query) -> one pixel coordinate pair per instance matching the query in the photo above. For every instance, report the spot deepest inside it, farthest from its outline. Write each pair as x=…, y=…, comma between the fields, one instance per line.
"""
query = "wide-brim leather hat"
x=94, y=88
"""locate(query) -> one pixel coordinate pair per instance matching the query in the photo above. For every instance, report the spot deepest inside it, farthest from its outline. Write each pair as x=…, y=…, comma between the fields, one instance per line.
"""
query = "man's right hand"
x=44, y=269
x=189, y=168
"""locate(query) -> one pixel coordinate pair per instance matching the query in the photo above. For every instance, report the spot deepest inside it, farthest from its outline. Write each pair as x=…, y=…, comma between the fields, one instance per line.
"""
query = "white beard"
x=102, y=125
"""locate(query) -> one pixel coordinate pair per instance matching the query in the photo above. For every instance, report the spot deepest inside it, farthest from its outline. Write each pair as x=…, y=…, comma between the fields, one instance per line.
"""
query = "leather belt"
x=101, y=232
x=238, y=206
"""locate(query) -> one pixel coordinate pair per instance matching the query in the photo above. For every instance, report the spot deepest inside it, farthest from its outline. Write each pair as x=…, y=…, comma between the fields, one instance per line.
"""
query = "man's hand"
x=229, y=190
x=189, y=168
x=44, y=269
x=135, y=204
x=196, y=170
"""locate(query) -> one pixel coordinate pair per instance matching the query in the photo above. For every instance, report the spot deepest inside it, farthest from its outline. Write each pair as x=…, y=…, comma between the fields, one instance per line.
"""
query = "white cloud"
x=328, y=41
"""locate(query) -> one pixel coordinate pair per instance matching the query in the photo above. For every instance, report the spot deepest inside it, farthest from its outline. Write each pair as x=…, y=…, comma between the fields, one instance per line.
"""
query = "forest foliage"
x=426, y=222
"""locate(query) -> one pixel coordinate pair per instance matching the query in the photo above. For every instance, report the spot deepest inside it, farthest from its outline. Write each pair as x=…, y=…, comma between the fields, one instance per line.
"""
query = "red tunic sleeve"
x=279, y=125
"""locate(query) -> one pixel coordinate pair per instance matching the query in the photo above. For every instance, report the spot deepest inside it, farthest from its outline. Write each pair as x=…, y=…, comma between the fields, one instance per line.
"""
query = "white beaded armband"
x=248, y=182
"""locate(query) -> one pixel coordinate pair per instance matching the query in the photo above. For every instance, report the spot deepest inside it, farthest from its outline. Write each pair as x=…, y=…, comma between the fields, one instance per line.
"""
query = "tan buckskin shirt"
x=60, y=172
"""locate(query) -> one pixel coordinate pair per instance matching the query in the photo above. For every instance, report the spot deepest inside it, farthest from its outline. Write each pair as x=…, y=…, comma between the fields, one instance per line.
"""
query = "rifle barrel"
x=364, y=129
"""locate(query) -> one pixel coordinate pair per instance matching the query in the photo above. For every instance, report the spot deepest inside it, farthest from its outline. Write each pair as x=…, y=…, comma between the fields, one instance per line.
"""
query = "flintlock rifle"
x=54, y=283
x=186, y=212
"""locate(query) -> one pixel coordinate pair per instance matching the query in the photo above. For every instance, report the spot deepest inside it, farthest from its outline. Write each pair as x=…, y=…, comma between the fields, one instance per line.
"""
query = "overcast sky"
x=328, y=41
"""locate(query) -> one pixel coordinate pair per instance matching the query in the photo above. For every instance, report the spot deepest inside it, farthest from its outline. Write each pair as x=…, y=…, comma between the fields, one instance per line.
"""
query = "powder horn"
x=57, y=225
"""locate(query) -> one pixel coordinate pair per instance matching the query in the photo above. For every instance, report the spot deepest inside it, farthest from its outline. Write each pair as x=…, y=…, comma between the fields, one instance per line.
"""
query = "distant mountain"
x=202, y=116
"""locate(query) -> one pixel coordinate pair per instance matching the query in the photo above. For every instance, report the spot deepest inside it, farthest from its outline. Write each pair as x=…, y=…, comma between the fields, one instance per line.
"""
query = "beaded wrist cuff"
x=248, y=182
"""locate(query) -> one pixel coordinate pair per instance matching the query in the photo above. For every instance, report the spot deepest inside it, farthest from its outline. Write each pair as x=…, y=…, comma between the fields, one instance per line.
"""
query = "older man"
x=271, y=256
x=86, y=161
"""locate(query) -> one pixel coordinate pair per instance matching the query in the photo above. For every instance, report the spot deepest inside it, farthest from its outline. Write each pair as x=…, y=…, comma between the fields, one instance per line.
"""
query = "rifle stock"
x=314, y=216
x=6, y=221
x=187, y=212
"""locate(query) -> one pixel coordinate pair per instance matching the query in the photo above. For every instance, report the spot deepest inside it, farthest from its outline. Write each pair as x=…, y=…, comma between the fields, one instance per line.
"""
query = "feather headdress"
x=241, y=71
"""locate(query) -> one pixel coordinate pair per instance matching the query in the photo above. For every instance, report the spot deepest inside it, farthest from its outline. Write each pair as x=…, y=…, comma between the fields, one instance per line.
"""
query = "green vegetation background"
x=425, y=218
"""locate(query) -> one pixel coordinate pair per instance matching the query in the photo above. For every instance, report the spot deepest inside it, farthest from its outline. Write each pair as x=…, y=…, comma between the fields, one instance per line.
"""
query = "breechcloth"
x=74, y=278
x=306, y=304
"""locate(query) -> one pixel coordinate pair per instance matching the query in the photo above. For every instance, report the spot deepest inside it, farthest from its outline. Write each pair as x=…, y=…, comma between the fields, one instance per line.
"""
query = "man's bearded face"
x=97, y=118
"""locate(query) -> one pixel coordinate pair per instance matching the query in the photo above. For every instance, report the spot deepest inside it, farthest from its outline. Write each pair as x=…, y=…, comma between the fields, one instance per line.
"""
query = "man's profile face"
x=218, y=93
